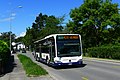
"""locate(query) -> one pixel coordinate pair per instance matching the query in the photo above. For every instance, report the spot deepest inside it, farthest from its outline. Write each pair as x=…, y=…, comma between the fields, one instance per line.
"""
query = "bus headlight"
x=57, y=60
x=79, y=60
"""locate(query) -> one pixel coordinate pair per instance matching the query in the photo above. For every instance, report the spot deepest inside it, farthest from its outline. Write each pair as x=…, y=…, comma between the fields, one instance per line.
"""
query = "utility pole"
x=11, y=12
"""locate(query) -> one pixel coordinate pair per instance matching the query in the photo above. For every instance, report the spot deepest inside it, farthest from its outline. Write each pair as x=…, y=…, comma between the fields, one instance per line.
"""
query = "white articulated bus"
x=59, y=49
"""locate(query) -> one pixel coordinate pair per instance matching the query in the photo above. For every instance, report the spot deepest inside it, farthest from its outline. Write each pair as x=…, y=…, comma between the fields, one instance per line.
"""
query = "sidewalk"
x=18, y=73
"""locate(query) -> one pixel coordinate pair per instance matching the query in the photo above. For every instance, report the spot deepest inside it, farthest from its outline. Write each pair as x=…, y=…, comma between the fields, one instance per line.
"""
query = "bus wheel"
x=36, y=57
x=47, y=60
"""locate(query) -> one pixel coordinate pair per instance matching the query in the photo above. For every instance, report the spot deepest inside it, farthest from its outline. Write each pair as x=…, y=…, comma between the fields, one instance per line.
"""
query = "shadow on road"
x=69, y=67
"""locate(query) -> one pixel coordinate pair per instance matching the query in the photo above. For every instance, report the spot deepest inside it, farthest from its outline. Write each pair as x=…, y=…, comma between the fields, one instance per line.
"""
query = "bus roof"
x=52, y=35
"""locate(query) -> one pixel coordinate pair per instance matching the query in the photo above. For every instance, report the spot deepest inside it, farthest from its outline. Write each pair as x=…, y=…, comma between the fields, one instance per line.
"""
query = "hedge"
x=110, y=52
x=4, y=51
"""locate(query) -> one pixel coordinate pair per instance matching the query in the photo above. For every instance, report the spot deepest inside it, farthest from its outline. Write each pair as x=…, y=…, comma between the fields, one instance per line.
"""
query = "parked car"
x=23, y=50
x=13, y=51
x=18, y=50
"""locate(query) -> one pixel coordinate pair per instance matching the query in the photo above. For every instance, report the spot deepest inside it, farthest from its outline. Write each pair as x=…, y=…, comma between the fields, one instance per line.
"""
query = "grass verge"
x=31, y=68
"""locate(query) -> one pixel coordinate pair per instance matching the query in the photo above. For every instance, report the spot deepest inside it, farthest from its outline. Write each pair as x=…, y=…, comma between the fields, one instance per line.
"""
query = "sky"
x=20, y=14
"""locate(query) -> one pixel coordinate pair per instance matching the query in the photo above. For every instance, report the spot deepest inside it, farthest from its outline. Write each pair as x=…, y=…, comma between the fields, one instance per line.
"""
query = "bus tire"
x=36, y=57
x=47, y=60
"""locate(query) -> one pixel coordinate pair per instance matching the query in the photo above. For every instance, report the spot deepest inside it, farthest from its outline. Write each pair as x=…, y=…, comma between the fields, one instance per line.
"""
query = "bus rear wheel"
x=36, y=58
x=47, y=60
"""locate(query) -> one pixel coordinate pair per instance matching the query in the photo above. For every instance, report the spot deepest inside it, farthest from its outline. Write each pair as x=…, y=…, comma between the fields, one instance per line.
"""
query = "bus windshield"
x=68, y=47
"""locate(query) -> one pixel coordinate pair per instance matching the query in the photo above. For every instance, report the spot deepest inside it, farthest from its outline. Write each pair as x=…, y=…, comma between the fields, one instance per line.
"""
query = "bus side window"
x=53, y=49
x=45, y=49
x=37, y=49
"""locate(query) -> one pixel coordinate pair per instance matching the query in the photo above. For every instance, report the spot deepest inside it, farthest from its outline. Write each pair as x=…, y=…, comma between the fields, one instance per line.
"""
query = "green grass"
x=31, y=68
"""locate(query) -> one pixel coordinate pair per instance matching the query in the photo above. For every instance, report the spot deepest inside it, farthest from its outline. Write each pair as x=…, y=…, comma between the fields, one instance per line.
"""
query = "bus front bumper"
x=70, y=63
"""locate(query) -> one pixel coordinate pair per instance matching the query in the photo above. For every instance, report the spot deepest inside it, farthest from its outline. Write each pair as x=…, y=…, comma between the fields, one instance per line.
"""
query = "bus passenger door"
x=40, y=51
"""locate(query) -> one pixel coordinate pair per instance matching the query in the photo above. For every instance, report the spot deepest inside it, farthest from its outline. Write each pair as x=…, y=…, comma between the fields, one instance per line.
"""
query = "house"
x=18, y=45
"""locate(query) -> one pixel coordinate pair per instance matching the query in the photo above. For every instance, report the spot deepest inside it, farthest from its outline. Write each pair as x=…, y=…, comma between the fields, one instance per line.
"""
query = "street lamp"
x=11, y=12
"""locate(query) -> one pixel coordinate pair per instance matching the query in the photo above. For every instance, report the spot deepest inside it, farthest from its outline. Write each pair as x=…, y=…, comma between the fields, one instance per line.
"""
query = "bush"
x=31, y=68
x=109, y=51
x=4, y=52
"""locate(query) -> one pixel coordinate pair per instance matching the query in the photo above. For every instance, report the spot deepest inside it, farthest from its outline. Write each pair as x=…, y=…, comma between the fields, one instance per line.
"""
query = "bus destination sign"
x=68, y=37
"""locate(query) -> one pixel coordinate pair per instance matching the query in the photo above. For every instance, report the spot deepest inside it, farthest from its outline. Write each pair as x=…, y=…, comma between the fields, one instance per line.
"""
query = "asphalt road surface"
x=91, y=70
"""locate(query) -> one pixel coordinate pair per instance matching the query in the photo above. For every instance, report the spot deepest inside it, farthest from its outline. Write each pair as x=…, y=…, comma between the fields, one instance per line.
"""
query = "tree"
x=44, y=25
x=92, y=19
x=51, y=26
x=5, y=36
x=19, y=39
x=28, y=38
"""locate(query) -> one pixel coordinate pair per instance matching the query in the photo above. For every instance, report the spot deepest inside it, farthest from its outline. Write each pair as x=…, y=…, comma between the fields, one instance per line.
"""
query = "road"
x=91, y=70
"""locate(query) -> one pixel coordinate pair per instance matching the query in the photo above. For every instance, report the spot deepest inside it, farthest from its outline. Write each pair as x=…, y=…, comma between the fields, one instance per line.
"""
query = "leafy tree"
x=19, y=39
x=28, y=38
x=92, y=19
x=5, y=36
x=65, y=30
x=51, y=26
x=44, y=25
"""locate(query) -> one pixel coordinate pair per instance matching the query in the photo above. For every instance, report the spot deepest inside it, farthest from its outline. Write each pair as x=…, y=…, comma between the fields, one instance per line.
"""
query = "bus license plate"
x=70, y=64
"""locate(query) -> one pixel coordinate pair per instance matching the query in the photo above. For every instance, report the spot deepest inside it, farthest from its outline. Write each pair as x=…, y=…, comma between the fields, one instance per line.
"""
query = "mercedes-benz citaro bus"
x=59, y=49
